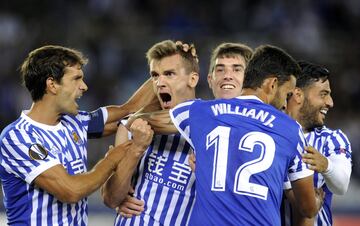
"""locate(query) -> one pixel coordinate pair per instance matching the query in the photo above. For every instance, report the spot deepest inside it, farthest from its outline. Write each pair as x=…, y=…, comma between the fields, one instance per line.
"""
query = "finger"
x=186, y=47
x=126, y=210
x=310, y=149
x=125, y=215
x=111, y=147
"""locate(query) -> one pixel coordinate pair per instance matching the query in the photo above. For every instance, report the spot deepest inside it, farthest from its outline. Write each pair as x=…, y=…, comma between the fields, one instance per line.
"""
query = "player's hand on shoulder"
x=315, y=160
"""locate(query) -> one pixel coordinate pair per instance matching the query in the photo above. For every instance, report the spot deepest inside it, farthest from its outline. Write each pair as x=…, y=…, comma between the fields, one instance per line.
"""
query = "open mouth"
x=166, y=99
x=323, y=111
x=227, y=86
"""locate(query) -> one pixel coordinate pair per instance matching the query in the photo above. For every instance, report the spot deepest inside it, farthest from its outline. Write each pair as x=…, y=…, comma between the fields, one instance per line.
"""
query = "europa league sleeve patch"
x=37, y=152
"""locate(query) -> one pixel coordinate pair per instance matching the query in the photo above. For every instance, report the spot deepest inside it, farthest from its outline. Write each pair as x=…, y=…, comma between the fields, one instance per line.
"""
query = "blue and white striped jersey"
x=244, y=149
x=165, y=182
x=29, y=148
x=329, y=143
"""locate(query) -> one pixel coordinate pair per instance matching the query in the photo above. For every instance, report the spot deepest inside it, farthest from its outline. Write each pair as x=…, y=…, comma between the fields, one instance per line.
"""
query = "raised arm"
x=144, y=97
x=117, y=186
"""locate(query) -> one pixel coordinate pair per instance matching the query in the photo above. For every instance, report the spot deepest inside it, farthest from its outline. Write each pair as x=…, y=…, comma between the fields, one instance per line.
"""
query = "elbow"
x=108, y=199
x=338, y=187
x=69, y=197
x=339, y=190
x=309, y=212
x=108, y=202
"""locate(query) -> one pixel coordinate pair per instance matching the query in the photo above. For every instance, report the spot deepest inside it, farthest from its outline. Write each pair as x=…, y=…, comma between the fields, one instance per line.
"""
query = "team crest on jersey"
x=37, y=152
x=76, y=137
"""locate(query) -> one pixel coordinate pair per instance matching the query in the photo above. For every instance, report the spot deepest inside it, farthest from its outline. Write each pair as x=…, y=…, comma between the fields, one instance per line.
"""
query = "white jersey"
x=165, y=182
x=29, y=148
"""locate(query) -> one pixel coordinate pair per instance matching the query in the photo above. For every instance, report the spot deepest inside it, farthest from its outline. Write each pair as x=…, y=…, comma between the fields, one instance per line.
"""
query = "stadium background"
x=115, y=34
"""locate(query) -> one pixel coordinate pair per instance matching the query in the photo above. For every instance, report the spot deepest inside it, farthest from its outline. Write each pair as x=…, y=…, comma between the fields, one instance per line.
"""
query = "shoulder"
x=80, y=117
x=17, y=126
x=333, y=134
x=183, y=107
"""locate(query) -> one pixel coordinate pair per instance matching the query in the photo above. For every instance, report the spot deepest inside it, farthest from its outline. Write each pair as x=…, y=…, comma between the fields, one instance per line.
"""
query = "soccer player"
x=227, y=66
x=243, y=150
x=43, y=153
x=226, y=74
x=330, y=152
x=163, y=177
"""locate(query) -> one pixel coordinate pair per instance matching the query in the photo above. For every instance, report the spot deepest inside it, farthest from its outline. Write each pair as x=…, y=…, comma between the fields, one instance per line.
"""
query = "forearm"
x=337, y=176
x=72, y=188
x=160, y=121
x=297, y=219
x=85, y=184
x=117, y=112
x=116, y=188
x=304, y=196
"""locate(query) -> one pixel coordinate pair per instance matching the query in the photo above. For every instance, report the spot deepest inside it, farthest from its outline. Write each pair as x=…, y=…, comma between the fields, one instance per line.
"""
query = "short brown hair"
x=169, y=48
x=228, y=49
x=47, y=61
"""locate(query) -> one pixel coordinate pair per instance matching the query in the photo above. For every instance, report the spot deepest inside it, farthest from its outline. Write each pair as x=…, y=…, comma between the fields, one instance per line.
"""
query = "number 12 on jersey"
x=219, y=138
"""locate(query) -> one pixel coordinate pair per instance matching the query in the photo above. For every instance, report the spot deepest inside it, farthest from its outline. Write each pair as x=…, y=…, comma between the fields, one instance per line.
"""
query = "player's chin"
x=73, y=111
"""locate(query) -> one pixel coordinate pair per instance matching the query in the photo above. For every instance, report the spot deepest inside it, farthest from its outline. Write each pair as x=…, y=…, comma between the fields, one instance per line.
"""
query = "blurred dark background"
x=115, y=35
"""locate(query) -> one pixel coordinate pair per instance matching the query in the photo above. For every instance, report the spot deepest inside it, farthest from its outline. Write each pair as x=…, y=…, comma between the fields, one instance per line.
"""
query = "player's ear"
x=51, y=85
x=270, y=85
x=193, y=79
x=298, y=95
x=209, y=78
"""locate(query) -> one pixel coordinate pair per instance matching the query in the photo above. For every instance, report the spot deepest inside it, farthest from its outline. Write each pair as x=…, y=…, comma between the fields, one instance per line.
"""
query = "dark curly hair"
x=311, y=73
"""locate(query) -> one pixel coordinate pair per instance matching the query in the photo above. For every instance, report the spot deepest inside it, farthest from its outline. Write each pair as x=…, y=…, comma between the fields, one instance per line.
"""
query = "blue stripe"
x=183, y=124
x=189, y=206
x=68, y=213
x=60, y=212
x=39, y=208
x=177, y=209
x=49, y=210
x=178, y=110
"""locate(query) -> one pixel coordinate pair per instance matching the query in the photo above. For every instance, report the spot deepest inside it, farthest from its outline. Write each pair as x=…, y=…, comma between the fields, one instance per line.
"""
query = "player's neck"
x=255, y=92
x=44, y=112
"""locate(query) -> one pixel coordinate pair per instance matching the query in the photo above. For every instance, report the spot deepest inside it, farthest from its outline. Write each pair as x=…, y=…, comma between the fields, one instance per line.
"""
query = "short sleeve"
x=180, y=116
x=25, y=155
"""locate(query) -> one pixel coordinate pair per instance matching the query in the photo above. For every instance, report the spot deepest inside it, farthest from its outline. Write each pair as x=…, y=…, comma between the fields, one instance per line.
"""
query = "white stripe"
x=34, y=203
x=170, y=212
x=55, y=212
x=44, y=214
x=160, y=206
